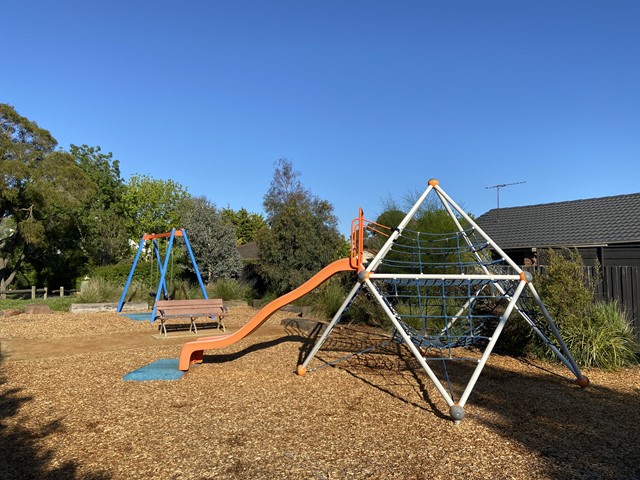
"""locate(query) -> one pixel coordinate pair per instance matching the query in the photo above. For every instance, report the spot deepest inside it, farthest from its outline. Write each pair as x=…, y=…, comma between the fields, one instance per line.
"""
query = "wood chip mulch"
x=65, y=411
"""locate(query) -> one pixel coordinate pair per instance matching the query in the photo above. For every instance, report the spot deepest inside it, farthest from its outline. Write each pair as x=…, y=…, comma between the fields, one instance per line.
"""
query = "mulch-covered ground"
x=65, y=411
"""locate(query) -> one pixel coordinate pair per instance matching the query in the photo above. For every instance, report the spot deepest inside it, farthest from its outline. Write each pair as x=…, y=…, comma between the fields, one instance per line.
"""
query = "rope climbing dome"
x=443, y=291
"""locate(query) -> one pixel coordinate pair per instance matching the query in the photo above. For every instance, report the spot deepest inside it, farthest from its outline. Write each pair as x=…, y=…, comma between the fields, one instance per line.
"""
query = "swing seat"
x=192, y=309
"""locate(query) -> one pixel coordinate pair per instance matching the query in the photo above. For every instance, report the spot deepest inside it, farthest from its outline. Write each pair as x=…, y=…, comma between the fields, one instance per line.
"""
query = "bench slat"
x=195, y=302
x=190, y=307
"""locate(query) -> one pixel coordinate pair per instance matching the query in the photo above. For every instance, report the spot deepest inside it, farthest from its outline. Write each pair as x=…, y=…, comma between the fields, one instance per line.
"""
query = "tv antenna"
x=498, y=187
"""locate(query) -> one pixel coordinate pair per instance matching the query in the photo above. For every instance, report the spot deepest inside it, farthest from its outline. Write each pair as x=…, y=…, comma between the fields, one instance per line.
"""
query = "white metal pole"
x=409, y=343
x=331, y=324
x=443, y=276
x=392, y=238
x=574, y=366
x=480, y=231
x=491, y=344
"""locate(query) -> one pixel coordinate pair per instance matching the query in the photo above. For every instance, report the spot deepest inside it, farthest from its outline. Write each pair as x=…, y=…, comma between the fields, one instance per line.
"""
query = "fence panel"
x=623, y=284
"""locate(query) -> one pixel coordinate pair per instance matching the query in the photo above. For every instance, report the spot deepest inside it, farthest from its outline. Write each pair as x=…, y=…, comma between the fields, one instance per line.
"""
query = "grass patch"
x=56, y=304
x=99, y=290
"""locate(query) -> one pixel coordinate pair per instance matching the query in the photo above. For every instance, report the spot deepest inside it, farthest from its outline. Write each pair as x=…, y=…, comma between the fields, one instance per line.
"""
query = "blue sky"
x=368, y=99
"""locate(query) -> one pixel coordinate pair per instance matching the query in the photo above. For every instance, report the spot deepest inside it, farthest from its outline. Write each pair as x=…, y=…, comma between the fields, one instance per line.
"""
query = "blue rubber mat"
x=138, y=316
x=163, y=369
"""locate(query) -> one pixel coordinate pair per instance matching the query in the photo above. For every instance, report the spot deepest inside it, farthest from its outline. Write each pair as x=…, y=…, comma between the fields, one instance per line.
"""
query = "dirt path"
x=20, y=349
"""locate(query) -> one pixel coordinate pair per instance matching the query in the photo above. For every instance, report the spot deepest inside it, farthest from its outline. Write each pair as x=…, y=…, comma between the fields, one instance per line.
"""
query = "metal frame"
x=368, y=275
x=162, y=265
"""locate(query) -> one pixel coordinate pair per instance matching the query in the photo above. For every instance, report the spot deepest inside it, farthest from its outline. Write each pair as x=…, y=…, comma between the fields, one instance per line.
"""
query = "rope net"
x=416, y=252
x=443, y=313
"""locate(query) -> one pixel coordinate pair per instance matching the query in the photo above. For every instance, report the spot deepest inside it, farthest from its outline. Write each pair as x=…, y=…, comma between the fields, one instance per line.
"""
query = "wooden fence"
x=34, y=292
x=621, y=283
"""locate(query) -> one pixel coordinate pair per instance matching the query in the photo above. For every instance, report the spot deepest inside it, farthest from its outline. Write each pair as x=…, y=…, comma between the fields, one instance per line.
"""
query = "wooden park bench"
x=192, y=309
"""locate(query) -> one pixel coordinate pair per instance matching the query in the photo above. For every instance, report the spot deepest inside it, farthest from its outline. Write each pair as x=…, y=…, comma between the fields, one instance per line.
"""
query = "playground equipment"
x=439, y=291
x=192, y=352
x=162, y=265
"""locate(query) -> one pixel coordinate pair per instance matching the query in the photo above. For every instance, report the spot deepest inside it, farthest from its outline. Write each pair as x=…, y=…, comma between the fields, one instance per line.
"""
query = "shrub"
x=228, y=289
x=100, y=290
x=116, y=273
x=328, y=299
x=365, y=310
x=604, y=339
x=180, y=289
x=138, y=291
x=267, y=298
x=564, y=286
x=598, y=334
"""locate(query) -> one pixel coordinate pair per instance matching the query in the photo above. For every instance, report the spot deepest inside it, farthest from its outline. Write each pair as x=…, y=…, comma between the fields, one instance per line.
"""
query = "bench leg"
x=163, y=328
x=193, y=327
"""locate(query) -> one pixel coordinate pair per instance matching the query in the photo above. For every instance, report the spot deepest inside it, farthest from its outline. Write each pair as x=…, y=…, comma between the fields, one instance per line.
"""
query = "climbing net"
x=443, y=291
x=461, y=252
x=441, y=313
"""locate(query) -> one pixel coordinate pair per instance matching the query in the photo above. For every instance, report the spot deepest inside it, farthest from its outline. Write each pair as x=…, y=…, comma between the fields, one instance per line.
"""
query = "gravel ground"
x=243, y=413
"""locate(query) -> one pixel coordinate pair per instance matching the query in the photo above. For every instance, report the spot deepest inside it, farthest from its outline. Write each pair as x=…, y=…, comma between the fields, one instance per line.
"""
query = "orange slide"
x=192, y=352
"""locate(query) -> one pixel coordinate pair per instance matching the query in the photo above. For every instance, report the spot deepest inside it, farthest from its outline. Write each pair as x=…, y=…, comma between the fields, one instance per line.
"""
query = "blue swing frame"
x=162, y=265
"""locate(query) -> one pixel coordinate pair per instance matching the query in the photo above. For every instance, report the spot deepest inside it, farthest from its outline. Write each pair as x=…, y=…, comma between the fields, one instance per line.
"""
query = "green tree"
x=301, y=236
x=42, y=198
x=151, y=205
x=104, y=171
x=213, y=241
x=432, y=226
x=247, y=224
x=104, y=231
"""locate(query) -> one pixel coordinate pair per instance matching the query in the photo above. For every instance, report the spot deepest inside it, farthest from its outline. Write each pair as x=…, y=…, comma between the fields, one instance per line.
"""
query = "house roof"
x=248, y=251
x=594, y=221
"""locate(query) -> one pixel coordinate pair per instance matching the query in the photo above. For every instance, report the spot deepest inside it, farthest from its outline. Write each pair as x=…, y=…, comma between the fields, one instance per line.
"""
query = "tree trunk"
x=6, y=280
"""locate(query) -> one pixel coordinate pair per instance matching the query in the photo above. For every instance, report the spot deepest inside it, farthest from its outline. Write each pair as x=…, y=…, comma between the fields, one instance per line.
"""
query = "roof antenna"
x=498, y=187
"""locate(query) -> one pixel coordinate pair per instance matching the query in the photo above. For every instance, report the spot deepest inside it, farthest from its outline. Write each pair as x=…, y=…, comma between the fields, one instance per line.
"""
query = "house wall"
x=622, y=255
x=611, y=255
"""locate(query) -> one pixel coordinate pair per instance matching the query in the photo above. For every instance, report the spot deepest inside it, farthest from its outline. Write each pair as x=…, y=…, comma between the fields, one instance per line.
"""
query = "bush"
x=117, y=273
x=604, y=339
x=99, y=290
x=598, y=334
x=228, y=289
x=138, y=291
x=180, y=289
x=328, y=299
x=564, y=286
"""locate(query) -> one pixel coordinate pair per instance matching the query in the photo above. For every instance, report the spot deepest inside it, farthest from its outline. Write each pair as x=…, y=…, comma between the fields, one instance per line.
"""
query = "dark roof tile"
x=594, y=221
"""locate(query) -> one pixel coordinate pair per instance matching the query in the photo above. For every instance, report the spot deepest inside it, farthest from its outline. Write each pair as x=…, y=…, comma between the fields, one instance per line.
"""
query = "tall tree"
x=42, y=196
x=213, y=241
x=301, y=236
x=104, y=230
x=247, y=224
x=104, y=170
x=151, y=205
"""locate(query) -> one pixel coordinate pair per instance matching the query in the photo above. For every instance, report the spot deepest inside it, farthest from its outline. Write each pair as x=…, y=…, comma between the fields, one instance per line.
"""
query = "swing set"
x=161, y=265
